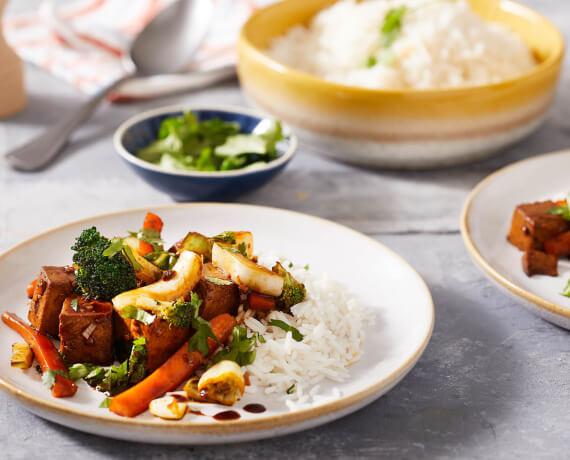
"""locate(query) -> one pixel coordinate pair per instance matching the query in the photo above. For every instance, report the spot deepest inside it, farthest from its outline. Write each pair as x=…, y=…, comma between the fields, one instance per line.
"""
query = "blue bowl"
x=139, y=131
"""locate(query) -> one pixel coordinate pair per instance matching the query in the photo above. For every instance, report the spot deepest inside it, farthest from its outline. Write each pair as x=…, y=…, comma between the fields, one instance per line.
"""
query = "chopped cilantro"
x=562, y=210
x=392, y=26
x=117, y=245
x=150, y=236
x=290, y=265
x=202, y=328
x=371, y=61
x=240, y=348
x=306, y=267
x=116, y=379
x=241, y=249
x=297, y=336
x=48, y=377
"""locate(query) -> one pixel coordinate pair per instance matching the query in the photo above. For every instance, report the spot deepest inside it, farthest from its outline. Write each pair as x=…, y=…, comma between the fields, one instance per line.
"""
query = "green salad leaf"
x=184, y=143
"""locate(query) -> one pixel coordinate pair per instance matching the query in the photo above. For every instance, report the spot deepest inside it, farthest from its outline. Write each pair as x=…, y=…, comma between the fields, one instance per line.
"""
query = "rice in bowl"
x=398, y=44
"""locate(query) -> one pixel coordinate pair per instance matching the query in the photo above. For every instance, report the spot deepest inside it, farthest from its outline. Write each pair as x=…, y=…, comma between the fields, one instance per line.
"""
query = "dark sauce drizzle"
x=227, y=415
x=254, y=408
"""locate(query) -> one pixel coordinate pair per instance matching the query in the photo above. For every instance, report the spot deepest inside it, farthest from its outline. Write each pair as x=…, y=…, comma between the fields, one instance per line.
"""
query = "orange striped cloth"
x=82, y=42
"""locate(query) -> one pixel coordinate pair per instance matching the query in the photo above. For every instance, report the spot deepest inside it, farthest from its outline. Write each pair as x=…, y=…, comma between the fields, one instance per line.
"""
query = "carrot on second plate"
x=153, y=221
x=179, y=367
x=260, y=302
x=559, y=245
x=45, y=352
x=31, y=288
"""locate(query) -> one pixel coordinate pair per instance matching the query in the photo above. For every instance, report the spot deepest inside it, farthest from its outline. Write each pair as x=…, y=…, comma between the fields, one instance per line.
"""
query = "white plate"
x=380, y=279
x=486, y=220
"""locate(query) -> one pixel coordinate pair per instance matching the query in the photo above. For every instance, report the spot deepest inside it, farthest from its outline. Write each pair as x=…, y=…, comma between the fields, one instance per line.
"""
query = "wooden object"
x=12, y=92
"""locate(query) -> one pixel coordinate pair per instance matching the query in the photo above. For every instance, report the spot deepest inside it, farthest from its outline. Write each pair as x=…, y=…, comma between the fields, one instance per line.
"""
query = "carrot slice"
x=153, y=221
x=145, y=248
x=260, y=302
x=31, y=288
x=559, y=245
x=45, y=353
x=179, y=367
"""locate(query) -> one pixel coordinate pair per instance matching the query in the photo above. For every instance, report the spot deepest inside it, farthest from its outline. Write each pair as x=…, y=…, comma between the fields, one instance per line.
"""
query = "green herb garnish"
x=105, y=404
x=150, y=236
x=392, y=26
x=290, y=390
x=117, y=245
x=371, y=61
x=297, y=336
x=240, y=348
x=562, y=210
x=48, y=377
x=202, y=328
x=116, y=379
x=74, y=304
x=241, y=249
x=306, y=267
x=138, y=314
x=566, y=291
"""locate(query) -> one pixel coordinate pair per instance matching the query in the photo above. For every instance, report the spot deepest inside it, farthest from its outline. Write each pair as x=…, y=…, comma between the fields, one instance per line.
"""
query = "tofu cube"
x=54, y=284
x=162, y=340
x=531, y=225
x=86, y=333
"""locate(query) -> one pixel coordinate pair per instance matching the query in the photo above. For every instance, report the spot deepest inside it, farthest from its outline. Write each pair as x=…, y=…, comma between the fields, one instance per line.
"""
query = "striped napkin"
x=82, y=41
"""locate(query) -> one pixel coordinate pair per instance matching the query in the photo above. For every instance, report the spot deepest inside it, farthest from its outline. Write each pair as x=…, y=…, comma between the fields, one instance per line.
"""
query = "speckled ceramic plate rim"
x=326, y=412
x=127, y=156
x=483, y=263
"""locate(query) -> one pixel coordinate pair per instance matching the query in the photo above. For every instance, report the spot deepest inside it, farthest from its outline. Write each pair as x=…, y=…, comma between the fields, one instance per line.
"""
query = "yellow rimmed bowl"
x=401, y=128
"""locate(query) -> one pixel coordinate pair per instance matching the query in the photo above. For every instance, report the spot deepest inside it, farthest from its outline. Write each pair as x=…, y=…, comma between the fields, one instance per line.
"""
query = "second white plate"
x=486, y=220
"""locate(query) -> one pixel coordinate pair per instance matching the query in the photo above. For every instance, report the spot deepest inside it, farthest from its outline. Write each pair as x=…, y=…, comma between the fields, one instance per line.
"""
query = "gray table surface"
x=494, y=380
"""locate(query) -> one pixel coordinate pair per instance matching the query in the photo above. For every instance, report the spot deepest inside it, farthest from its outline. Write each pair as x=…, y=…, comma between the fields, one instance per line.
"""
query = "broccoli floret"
x=98, y=276
x=180, y=313
x=293, y=293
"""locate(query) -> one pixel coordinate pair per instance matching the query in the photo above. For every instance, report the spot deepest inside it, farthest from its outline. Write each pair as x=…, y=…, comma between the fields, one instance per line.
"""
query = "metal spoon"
x=164, y=46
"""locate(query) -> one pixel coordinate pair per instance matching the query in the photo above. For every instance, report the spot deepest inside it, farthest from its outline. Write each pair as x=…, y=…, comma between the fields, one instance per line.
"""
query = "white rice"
x=332, y=323
x=442, y=44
